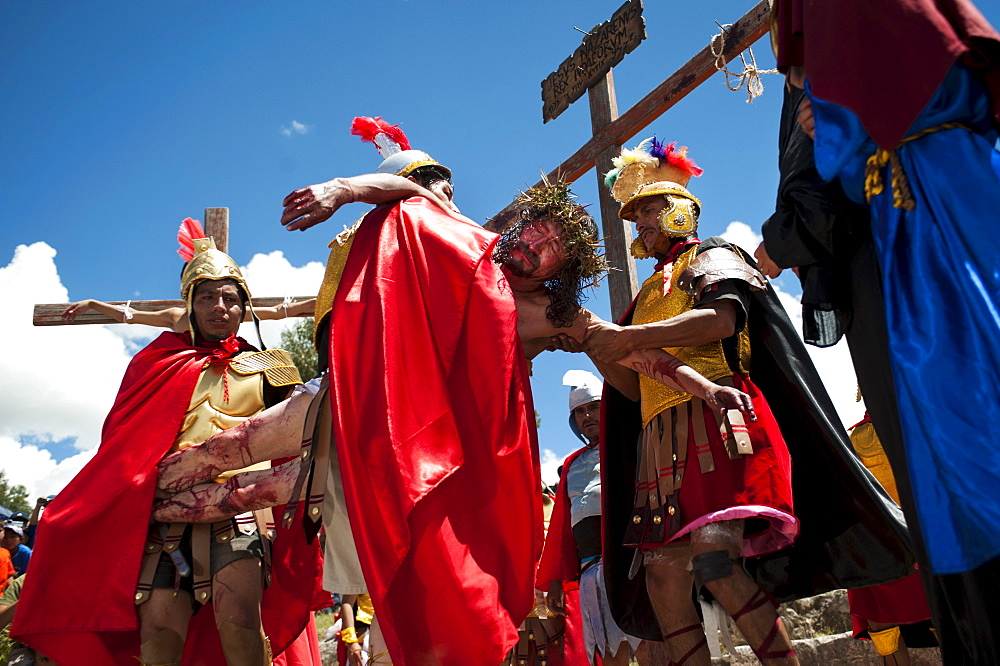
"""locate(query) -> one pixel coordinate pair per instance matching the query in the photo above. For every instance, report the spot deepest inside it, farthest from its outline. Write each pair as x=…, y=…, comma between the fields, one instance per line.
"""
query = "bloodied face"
x=218, y=308
x=539, y=252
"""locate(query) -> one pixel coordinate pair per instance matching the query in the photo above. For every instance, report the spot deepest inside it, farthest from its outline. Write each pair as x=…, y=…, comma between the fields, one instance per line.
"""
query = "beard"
x=526, y=265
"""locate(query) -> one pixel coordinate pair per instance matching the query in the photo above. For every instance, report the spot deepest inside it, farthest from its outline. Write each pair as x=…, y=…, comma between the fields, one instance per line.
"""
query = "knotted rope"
x=749, y=77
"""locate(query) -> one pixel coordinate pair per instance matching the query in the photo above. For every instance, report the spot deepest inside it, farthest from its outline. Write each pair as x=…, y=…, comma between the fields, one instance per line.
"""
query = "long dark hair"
x=583, y=266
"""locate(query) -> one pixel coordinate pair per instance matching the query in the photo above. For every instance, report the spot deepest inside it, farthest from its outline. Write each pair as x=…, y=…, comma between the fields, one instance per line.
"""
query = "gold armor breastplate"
x=708, y=359
x=340, y=248
x=209, y=412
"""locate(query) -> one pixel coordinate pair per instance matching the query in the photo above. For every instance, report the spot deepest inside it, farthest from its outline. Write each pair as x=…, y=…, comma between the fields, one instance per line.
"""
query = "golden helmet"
x=209, y=263
x=678, y=219
x=654, y=169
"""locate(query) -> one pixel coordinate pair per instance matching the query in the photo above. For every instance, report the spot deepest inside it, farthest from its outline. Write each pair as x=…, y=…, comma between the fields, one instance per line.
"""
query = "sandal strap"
x=756, y=601
x=772, y=654
x=699, y=645
x=702, y=643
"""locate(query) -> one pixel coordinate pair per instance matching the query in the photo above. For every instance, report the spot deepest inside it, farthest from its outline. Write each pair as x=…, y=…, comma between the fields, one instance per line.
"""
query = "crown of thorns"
x=579, y=231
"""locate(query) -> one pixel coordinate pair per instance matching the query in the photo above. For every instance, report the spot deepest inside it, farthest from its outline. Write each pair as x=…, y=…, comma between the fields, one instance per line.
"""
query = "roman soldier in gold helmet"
x=179, y=390
x=691, y=493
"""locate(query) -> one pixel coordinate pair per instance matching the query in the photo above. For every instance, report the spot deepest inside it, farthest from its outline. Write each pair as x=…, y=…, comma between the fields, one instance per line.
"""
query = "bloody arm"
x=274, y=433
x=671, y=371
x=308, y=206
x=247, y=491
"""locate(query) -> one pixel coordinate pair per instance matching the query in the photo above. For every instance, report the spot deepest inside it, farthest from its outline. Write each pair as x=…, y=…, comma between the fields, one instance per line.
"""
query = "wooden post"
x=622, y=282
x=748, y=29
x=50, y=314
x=582, y=69
x=217, y=227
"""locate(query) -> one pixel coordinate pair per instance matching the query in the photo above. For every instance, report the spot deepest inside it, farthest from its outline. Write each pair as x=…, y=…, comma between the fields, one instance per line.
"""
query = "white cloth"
x=600, y=631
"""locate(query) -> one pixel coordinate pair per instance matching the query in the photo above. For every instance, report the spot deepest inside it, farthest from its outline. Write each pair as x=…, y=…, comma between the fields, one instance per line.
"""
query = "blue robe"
x=941, y=276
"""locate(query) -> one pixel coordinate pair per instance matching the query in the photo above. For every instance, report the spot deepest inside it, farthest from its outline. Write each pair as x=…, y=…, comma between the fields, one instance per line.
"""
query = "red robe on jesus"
x=433, y=423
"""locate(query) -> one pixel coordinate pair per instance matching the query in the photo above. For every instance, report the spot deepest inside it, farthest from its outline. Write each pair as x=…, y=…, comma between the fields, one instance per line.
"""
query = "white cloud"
x=740, y=233
x=273, y=275
x=60, y=381
x=295, y=128
x=550, y=463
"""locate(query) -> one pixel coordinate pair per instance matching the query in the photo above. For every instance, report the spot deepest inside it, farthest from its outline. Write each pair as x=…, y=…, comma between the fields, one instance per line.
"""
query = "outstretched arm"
x=166, y=318
x=311, y=205
x=246, y=491
x=274, y=433
x=293, y=309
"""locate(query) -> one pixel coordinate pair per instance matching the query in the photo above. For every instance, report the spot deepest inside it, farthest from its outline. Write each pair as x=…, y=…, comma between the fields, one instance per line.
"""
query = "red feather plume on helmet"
x=190, y=229
x=369, y=128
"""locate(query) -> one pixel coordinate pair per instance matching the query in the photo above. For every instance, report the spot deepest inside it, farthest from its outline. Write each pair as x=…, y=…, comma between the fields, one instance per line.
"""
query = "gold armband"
x=348, y=635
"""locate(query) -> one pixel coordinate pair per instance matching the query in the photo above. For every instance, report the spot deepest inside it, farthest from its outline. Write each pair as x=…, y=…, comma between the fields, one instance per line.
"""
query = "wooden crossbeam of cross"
x=610, y=130
x=216, y=227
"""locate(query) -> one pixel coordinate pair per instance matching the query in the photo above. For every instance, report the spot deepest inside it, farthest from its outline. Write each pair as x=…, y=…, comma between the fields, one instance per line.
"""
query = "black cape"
x=852, y=534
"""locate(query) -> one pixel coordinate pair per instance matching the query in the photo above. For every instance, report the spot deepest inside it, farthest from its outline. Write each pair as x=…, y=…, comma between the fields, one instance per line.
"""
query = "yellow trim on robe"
x=366, y=612
x=340, y=249
x=866, y=442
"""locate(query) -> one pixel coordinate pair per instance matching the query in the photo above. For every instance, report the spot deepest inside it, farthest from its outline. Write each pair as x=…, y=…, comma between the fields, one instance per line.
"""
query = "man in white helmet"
x=572, y=553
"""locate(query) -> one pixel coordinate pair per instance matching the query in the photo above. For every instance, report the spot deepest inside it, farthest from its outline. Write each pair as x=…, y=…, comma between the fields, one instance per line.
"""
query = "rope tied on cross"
x=749, y=77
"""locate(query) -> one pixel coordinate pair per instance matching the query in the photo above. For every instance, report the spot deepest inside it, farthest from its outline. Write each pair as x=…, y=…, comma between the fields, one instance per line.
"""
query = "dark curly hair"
x=584, y=265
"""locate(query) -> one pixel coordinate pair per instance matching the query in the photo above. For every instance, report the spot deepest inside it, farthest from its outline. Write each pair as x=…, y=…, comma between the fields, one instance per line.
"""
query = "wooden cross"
x=216, y=227
x=589, y=68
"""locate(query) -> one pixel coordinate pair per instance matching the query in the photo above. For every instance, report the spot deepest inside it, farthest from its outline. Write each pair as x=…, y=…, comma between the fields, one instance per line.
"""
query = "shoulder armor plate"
x=716, y=265
x=276, y=364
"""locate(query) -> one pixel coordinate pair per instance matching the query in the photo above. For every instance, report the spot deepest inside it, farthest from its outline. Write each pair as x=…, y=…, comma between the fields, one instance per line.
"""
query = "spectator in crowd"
x=20, y=555
x=6, y=570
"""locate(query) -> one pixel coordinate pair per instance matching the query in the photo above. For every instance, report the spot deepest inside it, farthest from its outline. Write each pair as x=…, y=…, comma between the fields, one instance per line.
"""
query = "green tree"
x=14, y=497
x=298, y=341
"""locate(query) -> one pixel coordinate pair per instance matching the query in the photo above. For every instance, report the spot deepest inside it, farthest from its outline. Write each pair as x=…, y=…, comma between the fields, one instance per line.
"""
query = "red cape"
x=561, y=556
x=561, y=561
x=109, y=502
x=574, y=648
x=884, y=60
x=433, y=426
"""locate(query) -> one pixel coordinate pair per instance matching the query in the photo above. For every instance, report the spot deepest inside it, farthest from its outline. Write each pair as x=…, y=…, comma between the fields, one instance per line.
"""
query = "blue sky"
x=122, y=118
